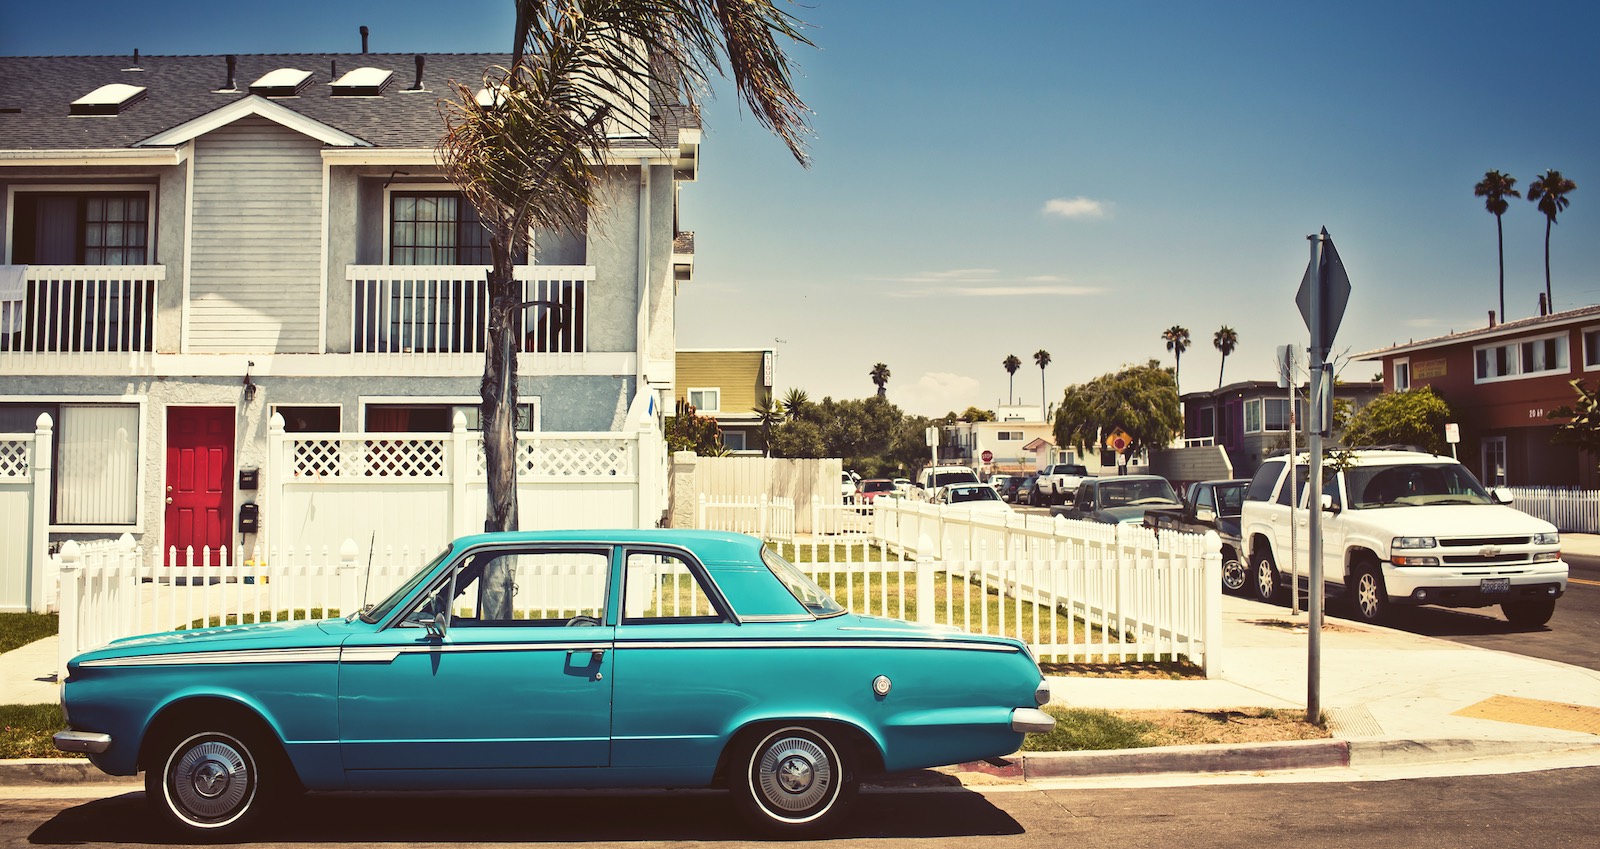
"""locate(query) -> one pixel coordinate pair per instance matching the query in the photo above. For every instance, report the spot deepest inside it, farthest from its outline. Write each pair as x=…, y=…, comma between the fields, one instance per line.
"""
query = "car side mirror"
x=1502, y=494
x=1205, y=514
x=437, y=624
x=1327, y=504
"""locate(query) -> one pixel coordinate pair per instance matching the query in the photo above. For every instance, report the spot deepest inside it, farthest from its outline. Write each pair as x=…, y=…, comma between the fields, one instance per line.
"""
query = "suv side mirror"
x=1501, y=494
x=1327, y=504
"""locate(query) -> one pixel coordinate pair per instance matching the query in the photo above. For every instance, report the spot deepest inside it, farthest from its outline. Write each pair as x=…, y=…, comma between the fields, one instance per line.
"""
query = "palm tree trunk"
x=1549, y=305
x=1500, y=237
x=1220, y=370
x=499, y=392
x=1011, y=391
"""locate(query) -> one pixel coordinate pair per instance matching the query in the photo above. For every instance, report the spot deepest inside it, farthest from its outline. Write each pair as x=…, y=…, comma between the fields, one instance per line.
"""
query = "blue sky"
x=997, y=178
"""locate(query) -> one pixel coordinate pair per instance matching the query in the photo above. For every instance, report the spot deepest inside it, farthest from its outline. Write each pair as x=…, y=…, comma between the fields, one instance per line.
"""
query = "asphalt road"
x=1550, y=810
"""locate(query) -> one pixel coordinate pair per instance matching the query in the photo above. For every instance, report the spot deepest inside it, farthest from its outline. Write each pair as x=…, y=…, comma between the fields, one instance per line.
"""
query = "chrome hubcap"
x=794, y=774
x=1265, y=579
x=1367, y=596
x=1233, y=574
x=210, y=781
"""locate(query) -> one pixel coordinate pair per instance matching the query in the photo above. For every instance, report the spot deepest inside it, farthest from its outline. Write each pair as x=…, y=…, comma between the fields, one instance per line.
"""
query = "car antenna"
x=367, y=583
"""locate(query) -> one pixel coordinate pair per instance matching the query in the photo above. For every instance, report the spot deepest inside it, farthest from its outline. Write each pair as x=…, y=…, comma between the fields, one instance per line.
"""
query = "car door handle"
x=595, y=655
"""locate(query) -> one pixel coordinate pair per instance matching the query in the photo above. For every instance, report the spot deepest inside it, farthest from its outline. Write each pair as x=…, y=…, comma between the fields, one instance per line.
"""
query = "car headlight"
x=1546, y=539
x=1414, y=542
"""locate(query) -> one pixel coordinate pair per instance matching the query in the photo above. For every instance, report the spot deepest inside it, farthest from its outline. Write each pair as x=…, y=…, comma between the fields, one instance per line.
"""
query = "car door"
x=518, y=680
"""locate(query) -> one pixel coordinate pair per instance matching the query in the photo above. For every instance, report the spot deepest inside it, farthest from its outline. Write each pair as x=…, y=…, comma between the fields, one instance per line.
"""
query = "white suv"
x=1404, y=527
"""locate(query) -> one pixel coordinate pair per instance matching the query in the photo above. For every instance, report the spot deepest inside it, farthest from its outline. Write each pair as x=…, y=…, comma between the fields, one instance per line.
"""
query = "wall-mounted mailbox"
x=249, y=518
x=249, y=479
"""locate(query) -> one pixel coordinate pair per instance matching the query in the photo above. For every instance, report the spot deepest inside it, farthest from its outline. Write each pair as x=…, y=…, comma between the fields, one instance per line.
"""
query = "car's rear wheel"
x=1265, y=586
x=210, y=783
x=1529, y=614
x=1234, y=573
x=794, y=780
x=1369, y=598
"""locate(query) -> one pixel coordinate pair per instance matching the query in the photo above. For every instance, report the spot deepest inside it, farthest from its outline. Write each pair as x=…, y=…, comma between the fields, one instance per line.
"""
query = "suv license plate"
x=1489, y=586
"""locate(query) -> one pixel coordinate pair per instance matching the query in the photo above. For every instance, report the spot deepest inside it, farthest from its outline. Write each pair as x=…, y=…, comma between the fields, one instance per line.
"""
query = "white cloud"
x=982, y=283
x=936, y=393
x=1077, y=208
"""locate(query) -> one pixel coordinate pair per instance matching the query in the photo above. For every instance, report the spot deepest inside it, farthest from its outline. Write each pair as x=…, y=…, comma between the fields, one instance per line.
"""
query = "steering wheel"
x=582, y=621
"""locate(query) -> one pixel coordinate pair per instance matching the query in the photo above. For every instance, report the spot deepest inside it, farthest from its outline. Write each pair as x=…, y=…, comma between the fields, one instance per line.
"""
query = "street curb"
x=1217, y=757
x=43, y=772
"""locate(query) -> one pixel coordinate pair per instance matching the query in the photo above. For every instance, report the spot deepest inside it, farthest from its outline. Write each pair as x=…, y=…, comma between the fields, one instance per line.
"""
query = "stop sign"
x=988, y=456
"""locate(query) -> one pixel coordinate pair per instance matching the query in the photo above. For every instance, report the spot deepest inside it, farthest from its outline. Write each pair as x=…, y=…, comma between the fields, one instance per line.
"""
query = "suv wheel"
x=1369, y=599
x=1265, y=586
x=1529, y=614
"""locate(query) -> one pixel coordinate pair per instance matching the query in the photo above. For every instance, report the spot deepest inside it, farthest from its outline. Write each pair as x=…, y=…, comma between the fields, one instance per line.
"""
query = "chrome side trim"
x=201, y=658
x=388, y=654
x=89, y=743
x=779, y=617
x=812, y=644
x=1032, y=721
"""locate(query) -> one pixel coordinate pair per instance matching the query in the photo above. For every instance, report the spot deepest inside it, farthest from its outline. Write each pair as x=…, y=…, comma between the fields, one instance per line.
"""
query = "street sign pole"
x=1316, y=274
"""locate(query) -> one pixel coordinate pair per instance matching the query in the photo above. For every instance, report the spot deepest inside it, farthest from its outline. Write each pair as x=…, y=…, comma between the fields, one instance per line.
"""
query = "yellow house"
x=728, y=385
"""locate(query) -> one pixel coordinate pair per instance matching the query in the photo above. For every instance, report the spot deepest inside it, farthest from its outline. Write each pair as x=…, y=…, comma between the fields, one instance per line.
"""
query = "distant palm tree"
x=768, y=416
x=880, y=376
x=1225, y=340
x=795, y=402
x=1494, y=189
x=1011, y=364
x=1042, y=357
x=1550, y=193
x=1177, y=337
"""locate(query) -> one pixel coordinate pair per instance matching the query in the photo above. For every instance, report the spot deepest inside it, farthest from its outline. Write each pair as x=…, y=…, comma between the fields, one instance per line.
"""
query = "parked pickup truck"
x=1059, y=481
x=1210, y=506
x=1404, y=528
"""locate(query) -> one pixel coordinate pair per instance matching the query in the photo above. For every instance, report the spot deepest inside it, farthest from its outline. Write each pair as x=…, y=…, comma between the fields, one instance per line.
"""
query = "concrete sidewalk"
x=1388, y=695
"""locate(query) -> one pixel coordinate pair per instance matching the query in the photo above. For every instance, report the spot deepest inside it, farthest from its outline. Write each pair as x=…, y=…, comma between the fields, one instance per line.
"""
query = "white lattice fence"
x=25, y=477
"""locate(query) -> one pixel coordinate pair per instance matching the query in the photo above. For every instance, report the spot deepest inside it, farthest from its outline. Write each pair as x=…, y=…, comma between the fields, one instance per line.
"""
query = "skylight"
x=107, y=99
x=284, y=82
x=362, y=82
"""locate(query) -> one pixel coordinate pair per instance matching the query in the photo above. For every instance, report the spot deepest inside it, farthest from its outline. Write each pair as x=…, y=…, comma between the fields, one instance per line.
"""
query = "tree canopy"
x=1142, y=400
x=1413, y=417
x=1582, y=427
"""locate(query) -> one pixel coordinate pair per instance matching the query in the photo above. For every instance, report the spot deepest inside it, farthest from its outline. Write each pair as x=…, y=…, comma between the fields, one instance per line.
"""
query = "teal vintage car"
x=635, y=658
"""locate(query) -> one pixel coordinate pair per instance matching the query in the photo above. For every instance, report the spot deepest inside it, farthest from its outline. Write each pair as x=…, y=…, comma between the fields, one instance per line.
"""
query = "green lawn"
x=20, y=629
x=25, y=731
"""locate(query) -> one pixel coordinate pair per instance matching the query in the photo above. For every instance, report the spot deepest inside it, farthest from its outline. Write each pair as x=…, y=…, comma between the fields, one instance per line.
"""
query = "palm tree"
x=1550, y=193
x=1177, y=337
x=1011, y=364
x=1042, y=357
x=880, y=376
x=795, y=402
x=525, y=150
x=1225, y=340
x=768, y=416
x=1494, y=189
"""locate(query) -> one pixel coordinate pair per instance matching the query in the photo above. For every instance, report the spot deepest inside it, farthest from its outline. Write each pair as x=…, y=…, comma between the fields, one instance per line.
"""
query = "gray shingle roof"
x=35, y=92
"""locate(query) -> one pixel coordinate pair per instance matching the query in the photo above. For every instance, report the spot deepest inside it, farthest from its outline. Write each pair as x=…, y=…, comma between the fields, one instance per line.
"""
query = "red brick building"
x=1500, y=382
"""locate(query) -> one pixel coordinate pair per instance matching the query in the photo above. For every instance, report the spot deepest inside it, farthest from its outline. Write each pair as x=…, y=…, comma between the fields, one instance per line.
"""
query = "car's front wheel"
x=794, y=781
x=1369, y=599
x=1529, y=614
x=1234, y=573
x=208, y=783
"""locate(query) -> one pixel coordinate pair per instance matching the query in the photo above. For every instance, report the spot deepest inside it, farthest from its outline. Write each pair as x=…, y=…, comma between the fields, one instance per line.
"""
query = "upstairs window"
x=1269, y=415
x=81, y=228
x=1402, y=375
x=706, y=400
x=1541, y=355
x=435, y=228
x=1591, y=348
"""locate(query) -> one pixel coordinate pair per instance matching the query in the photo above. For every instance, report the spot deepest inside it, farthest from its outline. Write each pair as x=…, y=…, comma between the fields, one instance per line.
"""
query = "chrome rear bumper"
x=1032, y=721
x=82, y=741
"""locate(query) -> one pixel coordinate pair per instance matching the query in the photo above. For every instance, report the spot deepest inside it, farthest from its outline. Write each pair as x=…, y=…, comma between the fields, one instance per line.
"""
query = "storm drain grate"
x=1353, y=722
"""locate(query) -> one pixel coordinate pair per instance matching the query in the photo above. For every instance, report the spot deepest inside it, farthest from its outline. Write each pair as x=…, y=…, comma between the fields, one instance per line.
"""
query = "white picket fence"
x=108, y=591
x=1571, y=510
x=1128, y=592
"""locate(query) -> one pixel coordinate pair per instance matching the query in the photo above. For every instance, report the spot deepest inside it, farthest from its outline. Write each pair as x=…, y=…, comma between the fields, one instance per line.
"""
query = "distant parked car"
x=1119, y=500
x=554, y=659
x=903, y=486
x=978, y=497
x=871, y=488
x=1028, y=492
x=1013, y=486
x=999, y=483
x=847, y=487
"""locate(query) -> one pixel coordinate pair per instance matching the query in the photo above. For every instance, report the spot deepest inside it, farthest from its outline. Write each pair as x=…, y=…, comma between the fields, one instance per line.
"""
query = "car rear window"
x=1265, y=481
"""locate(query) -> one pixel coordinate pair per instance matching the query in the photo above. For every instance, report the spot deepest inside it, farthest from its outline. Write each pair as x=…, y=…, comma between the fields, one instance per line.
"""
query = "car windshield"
x=1136, y=492
x=877, y=486
x=947, y=478
x=1413, y=485
x=1230, y=499
x=972, y=493
x=375, y=614
x=801, y=587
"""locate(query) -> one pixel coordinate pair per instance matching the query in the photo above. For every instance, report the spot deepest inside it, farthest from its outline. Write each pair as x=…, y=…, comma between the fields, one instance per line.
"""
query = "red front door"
x=199, y=479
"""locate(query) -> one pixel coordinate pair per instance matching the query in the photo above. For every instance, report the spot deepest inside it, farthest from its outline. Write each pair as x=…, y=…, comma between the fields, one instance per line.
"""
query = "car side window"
x=661, y=587
x=1265, y=481
x=1202, y=498
x=523, y=587
x=1287, y=493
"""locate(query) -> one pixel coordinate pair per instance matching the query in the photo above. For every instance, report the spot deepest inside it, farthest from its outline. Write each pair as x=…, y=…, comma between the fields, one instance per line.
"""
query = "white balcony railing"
x=412, y=310
x=82, y=309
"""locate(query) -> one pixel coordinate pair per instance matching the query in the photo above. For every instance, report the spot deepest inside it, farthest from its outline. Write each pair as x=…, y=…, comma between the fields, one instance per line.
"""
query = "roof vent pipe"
x=1491, y=318
x=333, y=69
x=136, y=57
x=363, y=38
x=233, y=62
x=417, y=86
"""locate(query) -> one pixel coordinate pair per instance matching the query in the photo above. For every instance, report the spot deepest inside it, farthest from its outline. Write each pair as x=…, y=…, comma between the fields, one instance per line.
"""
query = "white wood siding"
x=256, y=240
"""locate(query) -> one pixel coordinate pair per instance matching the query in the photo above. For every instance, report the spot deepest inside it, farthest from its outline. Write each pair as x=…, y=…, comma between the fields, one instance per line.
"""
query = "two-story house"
x=1501, y=381
x=195, y=244
x=728, y=385
x=1250, y=419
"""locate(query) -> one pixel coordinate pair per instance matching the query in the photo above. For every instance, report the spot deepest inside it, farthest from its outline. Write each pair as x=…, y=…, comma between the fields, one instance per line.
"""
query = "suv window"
x=1265, y=481
x=1302, y=473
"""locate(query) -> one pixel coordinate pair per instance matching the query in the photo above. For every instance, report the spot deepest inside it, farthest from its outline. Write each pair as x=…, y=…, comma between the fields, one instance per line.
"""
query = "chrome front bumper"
x=1032, y=721
x=85, y=742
